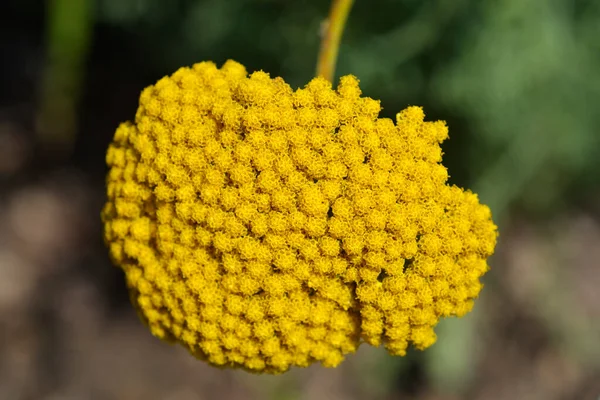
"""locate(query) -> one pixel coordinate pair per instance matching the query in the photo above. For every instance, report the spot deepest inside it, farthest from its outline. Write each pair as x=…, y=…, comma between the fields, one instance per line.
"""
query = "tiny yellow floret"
x=264, y=228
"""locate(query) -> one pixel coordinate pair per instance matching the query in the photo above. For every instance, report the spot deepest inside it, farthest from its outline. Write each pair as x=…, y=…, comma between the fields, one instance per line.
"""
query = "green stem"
x=330, y=43
x=69, y=28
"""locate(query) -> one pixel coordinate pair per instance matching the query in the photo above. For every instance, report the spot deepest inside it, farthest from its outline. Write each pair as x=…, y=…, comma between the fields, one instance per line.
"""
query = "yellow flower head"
x=262, y=227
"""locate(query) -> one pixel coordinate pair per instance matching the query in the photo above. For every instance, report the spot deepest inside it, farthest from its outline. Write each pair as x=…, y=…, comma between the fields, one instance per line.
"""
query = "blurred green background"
x=518, y=82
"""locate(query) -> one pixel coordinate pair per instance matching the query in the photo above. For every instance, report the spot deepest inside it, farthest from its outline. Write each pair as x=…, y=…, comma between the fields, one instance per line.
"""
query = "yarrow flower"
x=263, y=228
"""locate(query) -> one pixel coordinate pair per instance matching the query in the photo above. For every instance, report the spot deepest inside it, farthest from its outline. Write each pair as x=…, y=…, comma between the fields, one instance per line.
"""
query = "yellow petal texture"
x=263, y=228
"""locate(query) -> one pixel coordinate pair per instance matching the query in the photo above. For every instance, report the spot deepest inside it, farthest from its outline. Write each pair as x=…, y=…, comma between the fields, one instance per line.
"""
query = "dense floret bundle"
x=264, y=228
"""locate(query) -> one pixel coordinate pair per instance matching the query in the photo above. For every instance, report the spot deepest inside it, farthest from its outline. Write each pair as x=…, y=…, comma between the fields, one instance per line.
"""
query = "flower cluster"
x=264, y=228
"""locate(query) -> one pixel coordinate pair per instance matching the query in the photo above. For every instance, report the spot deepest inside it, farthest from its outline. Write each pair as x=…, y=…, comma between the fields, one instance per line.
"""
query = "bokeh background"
x=518, y=82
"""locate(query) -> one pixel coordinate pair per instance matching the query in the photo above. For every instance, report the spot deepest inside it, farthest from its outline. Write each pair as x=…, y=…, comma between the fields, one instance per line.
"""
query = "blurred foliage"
x=530, y=83
x=518, y=82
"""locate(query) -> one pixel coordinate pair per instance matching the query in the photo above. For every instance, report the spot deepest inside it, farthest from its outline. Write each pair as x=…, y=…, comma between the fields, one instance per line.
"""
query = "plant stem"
x=330, y=41
x=68, y=36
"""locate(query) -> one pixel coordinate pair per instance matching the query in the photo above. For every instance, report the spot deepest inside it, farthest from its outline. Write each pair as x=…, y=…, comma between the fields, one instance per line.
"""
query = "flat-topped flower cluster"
x=263, y=227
